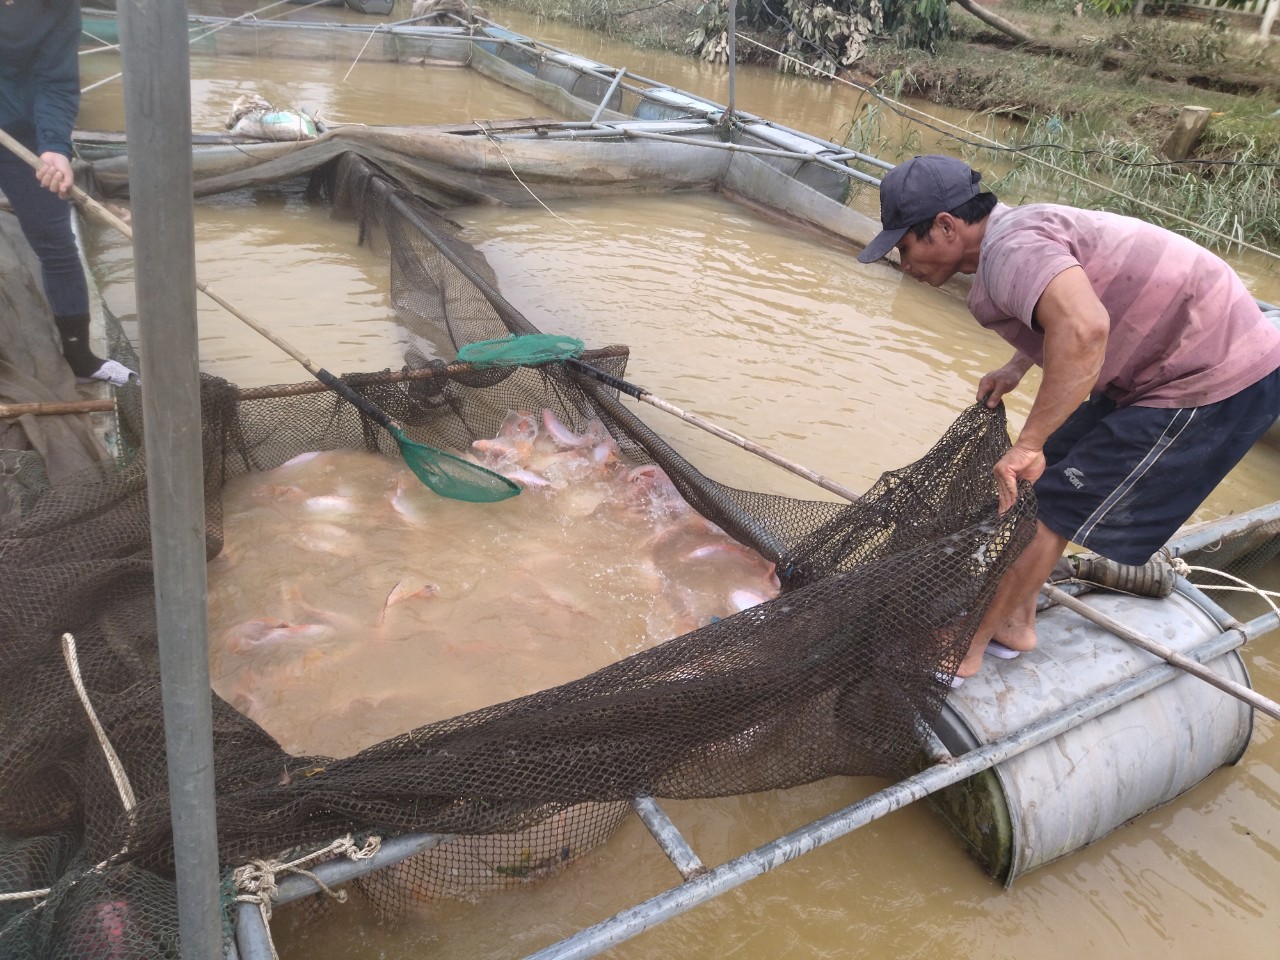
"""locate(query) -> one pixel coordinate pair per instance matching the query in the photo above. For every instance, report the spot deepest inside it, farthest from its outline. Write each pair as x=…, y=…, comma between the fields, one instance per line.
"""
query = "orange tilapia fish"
x=407, y=589
x=264, y=632
x=354, y=582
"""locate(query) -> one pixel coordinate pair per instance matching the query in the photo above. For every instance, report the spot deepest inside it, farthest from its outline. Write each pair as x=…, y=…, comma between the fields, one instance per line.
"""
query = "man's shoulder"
x=1031, y=230
x=1042, y=217
x=1023, y=248
x=1058, y=220
x=1016, y=226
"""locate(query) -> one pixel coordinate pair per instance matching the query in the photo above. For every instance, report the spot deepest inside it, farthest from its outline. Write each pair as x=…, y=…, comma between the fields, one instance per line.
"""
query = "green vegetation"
x=1045, y=160
x=1101, y=107
x=1096, y=95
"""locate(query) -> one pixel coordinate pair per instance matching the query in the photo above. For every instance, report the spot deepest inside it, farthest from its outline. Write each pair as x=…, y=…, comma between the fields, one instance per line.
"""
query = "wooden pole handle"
x=640, y=393
x=1179, y=660
x=82, y=198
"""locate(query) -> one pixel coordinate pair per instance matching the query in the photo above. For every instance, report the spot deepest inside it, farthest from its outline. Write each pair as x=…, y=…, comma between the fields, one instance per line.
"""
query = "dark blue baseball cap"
x=916, y=192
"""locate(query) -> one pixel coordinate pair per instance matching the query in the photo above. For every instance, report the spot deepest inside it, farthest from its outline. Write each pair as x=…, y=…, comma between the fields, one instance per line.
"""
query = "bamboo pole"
x=643, y=395
x=55, y=408
x=69, y=407
x=1179, y=660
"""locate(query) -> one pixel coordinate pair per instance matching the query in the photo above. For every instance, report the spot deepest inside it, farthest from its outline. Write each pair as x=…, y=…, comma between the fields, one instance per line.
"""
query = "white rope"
x=1034, y=159
x=25, y=895
x=127, y=798
x=489, y=136
x=1183, y=568
x=257, y=878
x=113, y=760
x=372, y=34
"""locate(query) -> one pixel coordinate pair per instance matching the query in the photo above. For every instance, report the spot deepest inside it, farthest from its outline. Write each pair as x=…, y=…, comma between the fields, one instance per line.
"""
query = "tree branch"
x=1000, y=23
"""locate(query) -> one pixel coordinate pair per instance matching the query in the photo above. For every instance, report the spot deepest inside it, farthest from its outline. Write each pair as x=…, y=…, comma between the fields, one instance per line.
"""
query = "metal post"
x=158, y=123
x=1206, y=535
x=733, y=55
x=604, y=101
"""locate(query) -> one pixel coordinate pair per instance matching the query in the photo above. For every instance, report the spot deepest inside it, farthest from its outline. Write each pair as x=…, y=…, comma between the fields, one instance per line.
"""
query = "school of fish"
x=350, y=603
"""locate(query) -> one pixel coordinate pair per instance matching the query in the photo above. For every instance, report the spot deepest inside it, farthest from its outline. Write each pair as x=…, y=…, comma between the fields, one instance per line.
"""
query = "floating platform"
x=1063, y=795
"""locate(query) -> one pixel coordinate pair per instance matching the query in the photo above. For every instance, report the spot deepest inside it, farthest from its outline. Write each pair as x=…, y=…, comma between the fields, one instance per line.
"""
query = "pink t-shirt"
x=1184, y=330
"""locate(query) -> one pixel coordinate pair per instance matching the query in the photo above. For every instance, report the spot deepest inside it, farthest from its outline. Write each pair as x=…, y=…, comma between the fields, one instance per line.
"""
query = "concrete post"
x=1186, y=133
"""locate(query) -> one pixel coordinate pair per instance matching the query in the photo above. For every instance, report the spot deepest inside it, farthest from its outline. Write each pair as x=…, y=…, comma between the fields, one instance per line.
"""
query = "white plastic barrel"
x=1067, y=792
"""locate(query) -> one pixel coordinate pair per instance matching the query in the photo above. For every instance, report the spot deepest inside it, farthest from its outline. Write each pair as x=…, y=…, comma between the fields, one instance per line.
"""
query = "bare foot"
x=1019, y=631
x=972, y=661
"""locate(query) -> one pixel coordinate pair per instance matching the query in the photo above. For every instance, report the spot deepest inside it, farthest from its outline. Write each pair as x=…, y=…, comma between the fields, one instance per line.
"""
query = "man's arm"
x=56, y=73
x=1075, y=325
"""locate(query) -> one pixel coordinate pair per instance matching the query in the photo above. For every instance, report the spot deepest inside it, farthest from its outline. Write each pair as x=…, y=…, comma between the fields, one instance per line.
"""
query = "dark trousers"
x=46, y=222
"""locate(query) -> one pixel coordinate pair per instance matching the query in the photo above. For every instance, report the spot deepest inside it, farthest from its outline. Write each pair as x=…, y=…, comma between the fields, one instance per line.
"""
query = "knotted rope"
x=257, y=878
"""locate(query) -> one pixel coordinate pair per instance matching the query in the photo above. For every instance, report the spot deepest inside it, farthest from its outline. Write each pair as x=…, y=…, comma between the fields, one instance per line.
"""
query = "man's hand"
x=1020, y=463
x=993, y=386
x=56, y=175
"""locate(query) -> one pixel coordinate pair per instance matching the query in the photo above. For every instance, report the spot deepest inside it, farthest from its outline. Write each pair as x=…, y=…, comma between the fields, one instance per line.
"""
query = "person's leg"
x=1122, y=489
x=1016, y=628
x=1127, y=486
x=45, y=219
x=1011, y=618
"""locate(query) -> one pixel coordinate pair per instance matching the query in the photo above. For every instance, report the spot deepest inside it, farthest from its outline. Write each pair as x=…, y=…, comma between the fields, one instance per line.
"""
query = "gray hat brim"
x=878, y=248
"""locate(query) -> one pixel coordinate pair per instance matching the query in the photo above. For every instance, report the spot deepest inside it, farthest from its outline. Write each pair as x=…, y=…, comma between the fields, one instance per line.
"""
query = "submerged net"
x=837, y=676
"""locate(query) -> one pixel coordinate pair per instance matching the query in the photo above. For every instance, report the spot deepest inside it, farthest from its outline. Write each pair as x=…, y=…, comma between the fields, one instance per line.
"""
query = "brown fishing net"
x=837, y=676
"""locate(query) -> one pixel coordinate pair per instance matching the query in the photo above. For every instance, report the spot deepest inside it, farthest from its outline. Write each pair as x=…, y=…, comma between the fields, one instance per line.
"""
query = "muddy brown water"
x=849, y=370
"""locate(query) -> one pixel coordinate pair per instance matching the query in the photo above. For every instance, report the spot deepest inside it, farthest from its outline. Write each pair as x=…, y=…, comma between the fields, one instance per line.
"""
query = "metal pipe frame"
x=669, y=837
x=700, y=887
x=158, y=120
x=734, y=873
x=617, y=79
x=614, y=77
x=253, y=940
x=759, y=151
x=1203, y=535
x=537, y=46
x=582, y=131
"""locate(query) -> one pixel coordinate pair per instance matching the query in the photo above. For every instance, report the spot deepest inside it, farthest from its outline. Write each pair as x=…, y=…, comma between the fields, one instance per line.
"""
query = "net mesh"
x=530, y=351
x=838, y=676
x=1243, y=556
x=451, y=476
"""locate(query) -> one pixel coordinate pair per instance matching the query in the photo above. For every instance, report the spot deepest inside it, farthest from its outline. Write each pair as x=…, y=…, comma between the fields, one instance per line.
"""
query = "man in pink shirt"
x=1159, y=369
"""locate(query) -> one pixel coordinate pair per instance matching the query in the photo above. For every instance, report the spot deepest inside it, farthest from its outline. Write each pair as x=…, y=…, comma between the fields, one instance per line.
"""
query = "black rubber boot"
x=74, y=331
